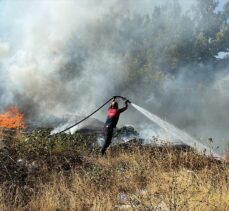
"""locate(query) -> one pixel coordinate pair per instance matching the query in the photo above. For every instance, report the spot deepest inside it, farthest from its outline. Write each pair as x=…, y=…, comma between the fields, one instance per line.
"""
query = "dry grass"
x=2, y=134
x=129, y=178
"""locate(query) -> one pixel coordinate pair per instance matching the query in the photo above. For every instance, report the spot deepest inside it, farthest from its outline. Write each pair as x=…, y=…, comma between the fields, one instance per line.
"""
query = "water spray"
x=176, y=133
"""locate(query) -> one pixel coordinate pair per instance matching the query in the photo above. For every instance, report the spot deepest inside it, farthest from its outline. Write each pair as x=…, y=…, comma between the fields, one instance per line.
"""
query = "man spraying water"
x=113, y=116
x=111, y=122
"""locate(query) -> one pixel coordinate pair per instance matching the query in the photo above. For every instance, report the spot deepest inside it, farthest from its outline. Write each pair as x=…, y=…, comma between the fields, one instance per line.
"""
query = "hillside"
x=66, y=172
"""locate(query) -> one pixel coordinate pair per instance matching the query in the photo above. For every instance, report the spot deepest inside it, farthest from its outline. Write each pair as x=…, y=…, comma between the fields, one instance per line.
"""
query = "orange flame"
x=12, y=118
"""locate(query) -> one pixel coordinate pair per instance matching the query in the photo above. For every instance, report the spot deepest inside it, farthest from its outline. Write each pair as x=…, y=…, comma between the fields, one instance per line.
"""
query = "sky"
x=222, y=2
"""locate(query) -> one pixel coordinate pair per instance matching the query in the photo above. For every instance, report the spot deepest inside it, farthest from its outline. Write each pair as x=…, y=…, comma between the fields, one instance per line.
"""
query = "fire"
x=12, y=118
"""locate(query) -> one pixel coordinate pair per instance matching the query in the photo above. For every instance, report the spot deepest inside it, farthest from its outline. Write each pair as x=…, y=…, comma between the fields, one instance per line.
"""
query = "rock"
x=161, y=207
x=123, y=207
x=123, y=198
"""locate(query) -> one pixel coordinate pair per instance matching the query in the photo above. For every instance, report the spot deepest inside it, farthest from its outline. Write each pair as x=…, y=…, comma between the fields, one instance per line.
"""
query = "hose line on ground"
x=90, y=114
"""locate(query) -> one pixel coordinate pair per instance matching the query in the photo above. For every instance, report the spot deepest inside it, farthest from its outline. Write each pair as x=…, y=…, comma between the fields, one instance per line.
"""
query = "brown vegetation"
x=66, y=173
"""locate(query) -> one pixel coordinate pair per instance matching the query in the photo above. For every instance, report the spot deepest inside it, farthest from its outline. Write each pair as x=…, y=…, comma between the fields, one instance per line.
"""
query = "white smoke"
x=36, y=64
x=4, y=49
x=65, y=56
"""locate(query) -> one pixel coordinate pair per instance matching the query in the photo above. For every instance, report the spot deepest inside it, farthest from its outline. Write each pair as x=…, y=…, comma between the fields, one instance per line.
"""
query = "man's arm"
x=124, y=108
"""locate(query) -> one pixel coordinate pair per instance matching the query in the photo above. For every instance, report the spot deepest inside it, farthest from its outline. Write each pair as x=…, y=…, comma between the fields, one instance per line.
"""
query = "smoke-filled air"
x=61, y=57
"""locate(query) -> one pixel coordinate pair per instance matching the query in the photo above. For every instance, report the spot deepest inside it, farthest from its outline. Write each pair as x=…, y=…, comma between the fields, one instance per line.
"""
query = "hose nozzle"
x=123, y=98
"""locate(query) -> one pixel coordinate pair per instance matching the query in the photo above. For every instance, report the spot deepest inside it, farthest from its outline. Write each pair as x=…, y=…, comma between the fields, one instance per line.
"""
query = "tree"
x=212, y=29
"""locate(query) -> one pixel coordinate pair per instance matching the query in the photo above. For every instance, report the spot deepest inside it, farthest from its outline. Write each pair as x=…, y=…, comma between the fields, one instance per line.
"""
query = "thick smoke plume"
x=59, y=57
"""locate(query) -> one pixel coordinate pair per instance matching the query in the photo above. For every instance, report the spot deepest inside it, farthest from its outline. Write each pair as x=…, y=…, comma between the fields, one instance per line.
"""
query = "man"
x=111, y=122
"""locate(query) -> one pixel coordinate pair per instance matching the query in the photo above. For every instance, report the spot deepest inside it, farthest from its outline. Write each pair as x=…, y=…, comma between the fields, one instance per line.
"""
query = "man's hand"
x=127, y=101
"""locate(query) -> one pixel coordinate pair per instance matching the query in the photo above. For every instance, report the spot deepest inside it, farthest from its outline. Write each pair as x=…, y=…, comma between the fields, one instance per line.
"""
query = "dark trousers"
x=108, y=136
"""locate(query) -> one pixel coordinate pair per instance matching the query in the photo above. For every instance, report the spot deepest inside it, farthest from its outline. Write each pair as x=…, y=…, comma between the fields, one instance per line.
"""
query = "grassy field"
x=66, y=172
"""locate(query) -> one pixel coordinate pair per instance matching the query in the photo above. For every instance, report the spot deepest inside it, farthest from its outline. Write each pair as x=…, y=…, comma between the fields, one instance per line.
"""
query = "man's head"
x=114, y=104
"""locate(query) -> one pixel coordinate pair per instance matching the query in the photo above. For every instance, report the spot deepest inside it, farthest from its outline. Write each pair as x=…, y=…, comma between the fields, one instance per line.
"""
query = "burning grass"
x=12, y=118
x=65, y=172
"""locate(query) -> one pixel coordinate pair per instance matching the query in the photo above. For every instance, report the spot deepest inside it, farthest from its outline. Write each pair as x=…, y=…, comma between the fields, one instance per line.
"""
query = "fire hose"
x=114, y=97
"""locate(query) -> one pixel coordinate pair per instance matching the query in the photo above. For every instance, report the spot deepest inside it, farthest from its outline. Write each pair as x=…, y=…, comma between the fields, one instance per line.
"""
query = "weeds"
x=66, y=172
